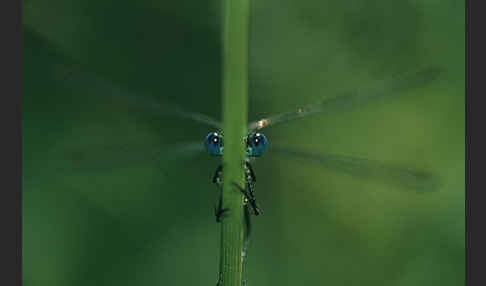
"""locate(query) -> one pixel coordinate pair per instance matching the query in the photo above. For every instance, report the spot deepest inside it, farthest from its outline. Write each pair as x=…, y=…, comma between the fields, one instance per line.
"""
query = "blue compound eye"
x=257, y=144
x=214, y=143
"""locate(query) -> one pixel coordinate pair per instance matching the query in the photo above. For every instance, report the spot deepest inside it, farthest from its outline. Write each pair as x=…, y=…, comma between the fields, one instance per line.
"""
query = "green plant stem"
x=235, y=101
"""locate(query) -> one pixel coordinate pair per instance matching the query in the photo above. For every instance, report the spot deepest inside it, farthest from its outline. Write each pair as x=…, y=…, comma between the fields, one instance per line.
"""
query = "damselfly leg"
x=218, y=210
x=248, y=192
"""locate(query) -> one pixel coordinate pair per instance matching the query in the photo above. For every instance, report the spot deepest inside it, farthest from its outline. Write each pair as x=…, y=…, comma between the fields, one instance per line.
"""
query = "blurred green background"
x=106, y=201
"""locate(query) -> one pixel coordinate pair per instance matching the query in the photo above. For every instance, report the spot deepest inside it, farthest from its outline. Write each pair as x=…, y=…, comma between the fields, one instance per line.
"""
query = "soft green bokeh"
x=105, y=204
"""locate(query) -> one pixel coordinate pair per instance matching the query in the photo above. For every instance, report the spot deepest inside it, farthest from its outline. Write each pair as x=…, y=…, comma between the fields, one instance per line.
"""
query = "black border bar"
x=10, y=156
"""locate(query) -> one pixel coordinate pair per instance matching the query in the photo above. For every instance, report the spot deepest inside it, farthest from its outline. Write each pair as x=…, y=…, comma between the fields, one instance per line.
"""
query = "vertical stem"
x=235, y=100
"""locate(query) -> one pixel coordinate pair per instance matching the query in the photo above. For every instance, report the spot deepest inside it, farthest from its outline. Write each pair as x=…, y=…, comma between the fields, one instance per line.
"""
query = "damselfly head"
x=256, y=144
x=214, y=143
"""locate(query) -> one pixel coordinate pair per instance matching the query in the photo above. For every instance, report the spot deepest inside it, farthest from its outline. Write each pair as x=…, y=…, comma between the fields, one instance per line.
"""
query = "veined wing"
x=97, y=155
x=387, y=88
x=148, y=103
x=112, y=157
x=401, y=177
x=136, y=99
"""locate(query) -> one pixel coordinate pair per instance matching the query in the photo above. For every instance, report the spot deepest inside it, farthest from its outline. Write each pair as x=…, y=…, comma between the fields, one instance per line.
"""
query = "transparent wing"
x=98, y=155
x=112, y=157
x=387, y=88
x=401, y=177
x=150, y=104
x=137, y=100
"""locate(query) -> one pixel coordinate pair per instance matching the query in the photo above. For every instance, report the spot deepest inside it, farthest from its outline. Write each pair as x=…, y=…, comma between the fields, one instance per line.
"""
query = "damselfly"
x=257, y=143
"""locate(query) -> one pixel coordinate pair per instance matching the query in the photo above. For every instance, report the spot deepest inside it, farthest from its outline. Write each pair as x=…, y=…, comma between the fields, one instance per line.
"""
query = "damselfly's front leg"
x=219, y=212
x=217, y=175
x=251, y=173
x=249, y=196
x=248, y=192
